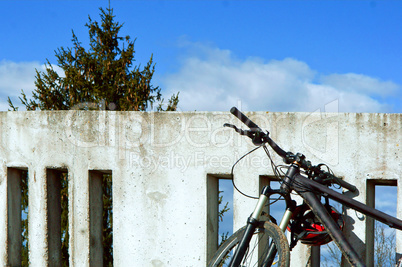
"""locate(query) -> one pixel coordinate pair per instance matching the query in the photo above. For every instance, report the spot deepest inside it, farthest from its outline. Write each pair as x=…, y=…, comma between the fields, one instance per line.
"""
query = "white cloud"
x=359, y=83
x=213, y=79
x=15, y=77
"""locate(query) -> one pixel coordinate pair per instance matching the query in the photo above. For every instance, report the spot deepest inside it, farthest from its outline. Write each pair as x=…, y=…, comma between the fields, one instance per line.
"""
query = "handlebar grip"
x=343, y=183
x=346, y=185
x=244, y=118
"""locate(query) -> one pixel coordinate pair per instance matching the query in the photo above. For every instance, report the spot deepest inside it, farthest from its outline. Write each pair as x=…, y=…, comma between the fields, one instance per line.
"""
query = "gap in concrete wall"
x=215, y=184
x=101, y=214
x=225, y=224
x=384, y=236
x=382, y=195
x=16, y=205
x=57, y=216
x=24, y=217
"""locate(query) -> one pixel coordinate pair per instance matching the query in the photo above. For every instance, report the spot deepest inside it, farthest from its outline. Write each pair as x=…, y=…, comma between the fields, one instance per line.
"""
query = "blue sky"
x=258, y=55
x=261, y=55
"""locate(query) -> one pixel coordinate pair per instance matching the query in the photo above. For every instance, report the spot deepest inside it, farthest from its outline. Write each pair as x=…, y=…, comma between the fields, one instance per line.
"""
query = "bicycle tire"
x=266, y=231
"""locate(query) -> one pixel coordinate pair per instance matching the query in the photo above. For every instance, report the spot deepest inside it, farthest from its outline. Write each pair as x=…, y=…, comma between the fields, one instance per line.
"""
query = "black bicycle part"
x=250, y=124
x=240, y=131
x=326, y=178
x=268, y=234
x=286, y=186
x=259, y=137
x=351, y=203
x=251, y=226
x=332, y=227
x=243, y=246
x=317, y=185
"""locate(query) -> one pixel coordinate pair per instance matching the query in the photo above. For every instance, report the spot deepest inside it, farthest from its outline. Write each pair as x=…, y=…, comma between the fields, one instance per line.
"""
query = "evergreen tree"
x=101, y=77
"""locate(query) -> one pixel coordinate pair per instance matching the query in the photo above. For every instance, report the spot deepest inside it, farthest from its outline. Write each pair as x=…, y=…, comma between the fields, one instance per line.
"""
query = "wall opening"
x=57, y=216
x=101, y=217
x=225, y=224
x=24, y=217
x=17, y=221
x=219, y=211
x=380, y=238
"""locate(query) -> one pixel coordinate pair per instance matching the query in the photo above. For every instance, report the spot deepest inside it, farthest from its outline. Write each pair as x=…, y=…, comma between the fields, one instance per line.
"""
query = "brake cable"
x=232, y=176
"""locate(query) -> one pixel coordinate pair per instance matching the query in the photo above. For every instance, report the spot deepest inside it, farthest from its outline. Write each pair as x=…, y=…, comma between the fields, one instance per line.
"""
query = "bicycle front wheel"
x=267, y=236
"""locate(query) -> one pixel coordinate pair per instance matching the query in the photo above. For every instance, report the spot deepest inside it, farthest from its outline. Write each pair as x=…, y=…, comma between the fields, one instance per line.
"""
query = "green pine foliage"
x=107, y=221
x=221, y=213
x=24, y=219
x=104, y=77
x=101, y=77
x=64, y=219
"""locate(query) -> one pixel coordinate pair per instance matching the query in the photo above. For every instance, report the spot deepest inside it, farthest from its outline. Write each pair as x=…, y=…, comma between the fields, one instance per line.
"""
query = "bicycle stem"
x=286, y=186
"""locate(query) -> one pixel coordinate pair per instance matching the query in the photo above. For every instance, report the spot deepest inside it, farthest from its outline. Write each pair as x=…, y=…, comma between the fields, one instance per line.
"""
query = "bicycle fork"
x=253, y=222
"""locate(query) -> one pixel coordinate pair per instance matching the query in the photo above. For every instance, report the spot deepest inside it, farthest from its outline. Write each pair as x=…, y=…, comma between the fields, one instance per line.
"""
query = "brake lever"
x=240, y=131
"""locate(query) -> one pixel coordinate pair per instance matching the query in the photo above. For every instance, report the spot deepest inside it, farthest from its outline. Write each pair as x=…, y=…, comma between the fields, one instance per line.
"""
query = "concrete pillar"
x=243, y=206
x=37, y=226
x=79, y=214
x=355, y=222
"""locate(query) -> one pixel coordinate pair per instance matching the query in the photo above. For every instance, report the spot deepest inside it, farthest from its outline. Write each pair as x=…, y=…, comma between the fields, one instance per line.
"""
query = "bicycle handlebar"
x=244, y=119
x=329, y=179
x=346, y=185
x=258, y=136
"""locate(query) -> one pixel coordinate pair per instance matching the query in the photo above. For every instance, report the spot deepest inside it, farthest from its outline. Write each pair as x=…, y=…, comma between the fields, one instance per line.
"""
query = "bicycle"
x=311, y=182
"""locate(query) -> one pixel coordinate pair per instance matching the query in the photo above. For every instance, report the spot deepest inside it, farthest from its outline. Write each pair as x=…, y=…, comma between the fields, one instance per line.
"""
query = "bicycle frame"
x=297, y=182
x=333, y=229
x=311, y=192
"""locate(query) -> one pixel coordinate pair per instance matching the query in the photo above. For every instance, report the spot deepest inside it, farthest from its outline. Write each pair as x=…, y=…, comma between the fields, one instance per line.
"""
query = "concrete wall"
x=165, y=168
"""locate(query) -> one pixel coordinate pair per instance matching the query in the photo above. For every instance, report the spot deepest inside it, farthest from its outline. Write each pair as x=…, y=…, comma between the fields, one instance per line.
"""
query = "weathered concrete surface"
x=160, y=163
